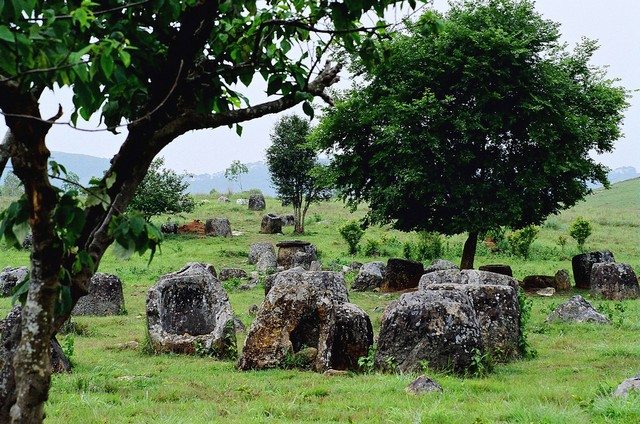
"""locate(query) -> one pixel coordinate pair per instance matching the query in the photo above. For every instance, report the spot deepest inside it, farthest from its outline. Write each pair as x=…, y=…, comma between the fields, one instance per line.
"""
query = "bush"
x=429, y=246
x=371, y=248
x=520, y=240
x=352, y=233
x=580, y=230
x=496, y=240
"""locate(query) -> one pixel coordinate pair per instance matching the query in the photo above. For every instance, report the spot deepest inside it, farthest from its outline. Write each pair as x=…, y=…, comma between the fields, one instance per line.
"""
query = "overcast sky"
x=615, y=23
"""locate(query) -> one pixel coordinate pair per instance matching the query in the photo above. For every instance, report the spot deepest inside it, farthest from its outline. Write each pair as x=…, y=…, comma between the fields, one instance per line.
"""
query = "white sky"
x=615, y=23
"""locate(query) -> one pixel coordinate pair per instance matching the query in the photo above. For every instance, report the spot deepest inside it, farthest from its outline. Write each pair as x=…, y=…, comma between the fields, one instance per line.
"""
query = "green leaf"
x=19, y=292
x=308, y=110
x=107, y=65
x=239, y=130
x=21, y=230
x=6, y=34
x=125, y=57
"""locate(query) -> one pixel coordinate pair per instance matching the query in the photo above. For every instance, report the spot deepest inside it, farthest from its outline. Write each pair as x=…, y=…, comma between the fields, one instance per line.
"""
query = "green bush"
x=580, y=231
x=430, y=246
x=371, y=248
x=520, y=240
x=352, y=233
x=498, y=239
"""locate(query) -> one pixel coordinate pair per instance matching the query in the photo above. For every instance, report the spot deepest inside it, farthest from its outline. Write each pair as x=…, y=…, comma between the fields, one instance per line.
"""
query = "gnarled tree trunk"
x=469, y=250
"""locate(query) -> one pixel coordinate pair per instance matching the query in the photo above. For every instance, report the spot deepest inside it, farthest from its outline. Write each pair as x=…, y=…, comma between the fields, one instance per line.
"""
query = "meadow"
x=570, y=381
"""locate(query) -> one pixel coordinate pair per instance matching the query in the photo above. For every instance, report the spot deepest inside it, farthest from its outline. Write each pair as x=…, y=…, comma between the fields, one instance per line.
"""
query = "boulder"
x=306, y=320
x=189, y=312
x=229, y=273
x=440, y=265
x=288, y=249
x=241, y=202
x=369, y=277
x=614, y=281
x=258, y=249
x=10, y=277
x=577, y=309
x=169, y=228
x=27, y=242
x=494, y=298
x=257, y=202
x=218, y=227
x=288, y=220
x=563, y=280
x=271, y=224
x=401, y=274
x=498, y=269
x=546, y=292
x=267, y=262
x=105, y=297
x=628, y=385
x=582, y=264
x=271, y=279
x=223, y=199
x=303, y=259
x=315, y=266
x=437, y=326
x=537, y=282
x=423, y=384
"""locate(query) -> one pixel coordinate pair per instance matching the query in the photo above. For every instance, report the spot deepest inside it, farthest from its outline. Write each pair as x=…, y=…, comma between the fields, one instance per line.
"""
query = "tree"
x=294, y=168
x=160, y=69
x=162, y=191
x=485, y=123
x=234, y=171
x=72, y=182
x=580, y=231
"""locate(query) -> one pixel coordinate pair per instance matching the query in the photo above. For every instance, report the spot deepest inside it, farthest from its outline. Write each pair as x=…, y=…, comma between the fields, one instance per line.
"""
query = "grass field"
x=569, y=382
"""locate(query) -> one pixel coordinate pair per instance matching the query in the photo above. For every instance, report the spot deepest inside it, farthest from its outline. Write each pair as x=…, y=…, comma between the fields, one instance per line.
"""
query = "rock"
x=439, y=327
x=335, y=373
x=306, y=321
x=241, y=202
x=253, y=310
x=288, y=249
x=440, y=265
x=27, y=242
x=10, y=277
x=494, y=298
x=423, y=384
x=498, y=269
x=223, y=199
x=189, y=312
x=315, y=266
x=169, y=228
x=535, y=282
x=614, y=281
x=369, y=277
x=577, y=309
x=546, y=292
x=271, y=224
x=354, y=266
x=229, y=273
x=563, y=280
x=218, y=227
x=582, y=264
x=258, y=249
x=257, y=202
x=628, y=385
x=105, y=297
x=288, y=220
x=303, y=259
x=238, y=325
x=401, y=274
x=271, y=279
x=267, y=262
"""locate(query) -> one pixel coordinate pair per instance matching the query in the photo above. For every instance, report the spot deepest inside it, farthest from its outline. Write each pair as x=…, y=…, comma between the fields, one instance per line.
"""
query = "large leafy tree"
x=296, y=173
x=486, y=123
x=160, y=68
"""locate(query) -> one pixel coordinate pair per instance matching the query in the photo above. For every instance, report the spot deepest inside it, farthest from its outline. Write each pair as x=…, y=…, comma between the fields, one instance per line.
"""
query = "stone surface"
x=614, y=281
x=401, y=274
x=494, y=299
x=563, y=280
x=288, y=249
x=229, y=273
x=223, y=199
x=303, y=259
x=169, y=228
x=440, y=265
x=577, y=309
x=271, y=224
x=27, y=242
x=241, y=202
x=582, y=264
x=105, y=297
x=535, y=282
x=218, y=227
x=497, y=268
x=257, y=202
x=315, y=266
x=10, y=277
x=288, y=220
x=423, y=384
x=546, y=292
x=628, y=385
x=188, y=311
x=307, y=312
x=271, y=279
x=439, y=327
x=369, y=277
x=258, y=249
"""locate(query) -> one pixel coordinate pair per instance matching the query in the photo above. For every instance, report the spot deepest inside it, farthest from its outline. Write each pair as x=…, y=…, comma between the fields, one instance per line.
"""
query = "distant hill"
x=623, y=173
x=258, y=177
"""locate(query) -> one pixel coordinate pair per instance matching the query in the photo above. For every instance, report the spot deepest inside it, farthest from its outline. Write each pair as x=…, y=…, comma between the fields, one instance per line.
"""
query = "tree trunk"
x=469, y=251
x=298, y=218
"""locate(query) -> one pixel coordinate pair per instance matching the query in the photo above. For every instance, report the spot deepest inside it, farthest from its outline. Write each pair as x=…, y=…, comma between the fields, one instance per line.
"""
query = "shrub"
x=520, y=240
x=496, y=239
x=429, y=246
x=408, y=250
x=352, y=233
x=580, y=230
x=371, y=248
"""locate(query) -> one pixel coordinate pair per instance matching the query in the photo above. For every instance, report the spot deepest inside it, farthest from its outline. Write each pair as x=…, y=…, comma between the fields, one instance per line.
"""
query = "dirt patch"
x=193, y=227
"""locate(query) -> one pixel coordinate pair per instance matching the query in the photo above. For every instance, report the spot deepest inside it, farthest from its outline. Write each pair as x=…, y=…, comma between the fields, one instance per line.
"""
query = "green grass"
x=569, y=382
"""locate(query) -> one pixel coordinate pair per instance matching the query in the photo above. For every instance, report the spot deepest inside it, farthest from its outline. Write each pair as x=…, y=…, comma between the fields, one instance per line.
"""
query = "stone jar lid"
x=293, y=243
